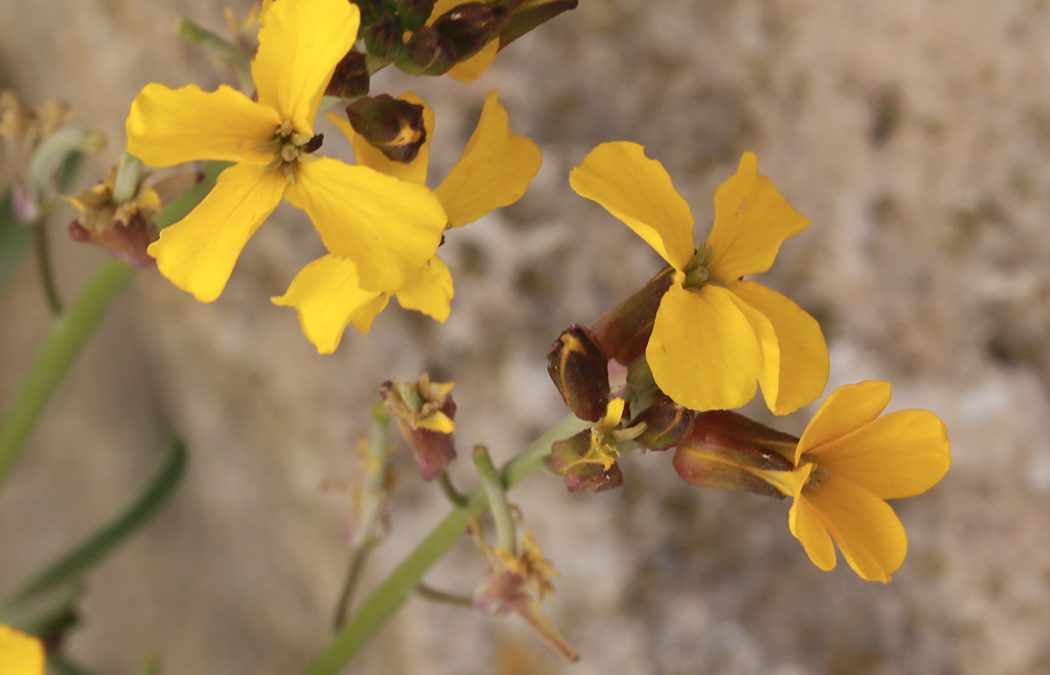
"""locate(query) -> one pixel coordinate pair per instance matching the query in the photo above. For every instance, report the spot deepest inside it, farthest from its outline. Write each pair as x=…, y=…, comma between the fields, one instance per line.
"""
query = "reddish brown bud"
x=383, y=37
x=697, y=468
x=428, y=52
x=392, y=125
x=666, y=423
x=567, y=458
x=471, y=26
x=580, y=371
x=351, y=78
x=623, y=332
x=529, y=14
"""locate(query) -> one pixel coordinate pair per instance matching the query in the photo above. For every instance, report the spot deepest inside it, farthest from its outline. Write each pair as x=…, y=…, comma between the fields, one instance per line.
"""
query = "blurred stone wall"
x=913, y=134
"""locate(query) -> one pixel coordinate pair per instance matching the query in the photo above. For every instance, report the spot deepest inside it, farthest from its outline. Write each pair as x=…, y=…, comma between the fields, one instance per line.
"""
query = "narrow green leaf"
x=97, y=546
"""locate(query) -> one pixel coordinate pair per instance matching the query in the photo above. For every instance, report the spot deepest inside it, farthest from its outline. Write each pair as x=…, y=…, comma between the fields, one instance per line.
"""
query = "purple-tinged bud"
x=427, y=52
x=351, y=78
x=392, y=125
x=580, y=371
x=471, y=26
x=425, y=413
x=666, y=423
x=623, y=332
x=727, y=450
x=529, y=14
x=568, y=459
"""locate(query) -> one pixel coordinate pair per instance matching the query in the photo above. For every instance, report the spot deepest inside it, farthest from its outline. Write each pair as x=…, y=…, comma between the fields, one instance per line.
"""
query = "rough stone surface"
x=913, y=134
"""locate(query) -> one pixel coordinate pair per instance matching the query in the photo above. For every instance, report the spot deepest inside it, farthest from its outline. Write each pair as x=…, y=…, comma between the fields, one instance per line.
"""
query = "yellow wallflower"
x=849, y=462
x=493, y=171
x=388, y=228
x=715, y=334
x=20, y=654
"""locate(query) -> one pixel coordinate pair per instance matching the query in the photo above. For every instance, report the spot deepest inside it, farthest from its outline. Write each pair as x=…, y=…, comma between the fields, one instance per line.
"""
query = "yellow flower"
x=849, y=462
x=388, y=228
x=715, y=334
x=20, y=654
x=493, y=171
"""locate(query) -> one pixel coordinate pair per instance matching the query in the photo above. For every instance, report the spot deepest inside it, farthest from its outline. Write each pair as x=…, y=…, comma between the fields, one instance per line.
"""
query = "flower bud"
x=665, y=422
x=383, y=38
x=623, y=332
x=428, y=52
x=530, y=14
x=392, y=125
x=580, y=371
x=373, y=10
x=471, y=26
x=727, y=450
x=351, y=78
x=568, y=459
x=425, y=412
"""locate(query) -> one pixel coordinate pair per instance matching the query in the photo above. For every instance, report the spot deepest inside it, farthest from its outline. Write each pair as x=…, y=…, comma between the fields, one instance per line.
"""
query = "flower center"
x=696, y=272
x=290, y=146
x=816, y=478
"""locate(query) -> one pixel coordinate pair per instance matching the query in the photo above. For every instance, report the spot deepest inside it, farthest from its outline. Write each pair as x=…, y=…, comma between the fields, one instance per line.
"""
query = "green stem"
x=455, y=496
x=492, y=484
x=46, y=269
x=69, y=333
x=406, y=577
x=444, y=597
x=99, y=544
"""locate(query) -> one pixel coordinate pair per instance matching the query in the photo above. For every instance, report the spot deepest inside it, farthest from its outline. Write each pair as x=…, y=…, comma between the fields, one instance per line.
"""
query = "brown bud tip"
x=471, y=25
x=351, y=78
x=566, y=456
x=665, y=423
x=392, y=125
x=580, y=371
x=623, y=332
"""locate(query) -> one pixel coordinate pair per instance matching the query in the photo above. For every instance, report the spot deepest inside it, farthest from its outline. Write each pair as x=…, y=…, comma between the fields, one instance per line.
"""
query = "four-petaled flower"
x=715, y=334
x=849, y=461
x=387, y=227
x=493, y=171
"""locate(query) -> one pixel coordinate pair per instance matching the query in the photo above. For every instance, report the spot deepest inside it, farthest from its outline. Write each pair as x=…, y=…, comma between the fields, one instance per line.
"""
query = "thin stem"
x=492, y=484
x=69, y=333
x=435, y=595
x=46, y=269
x=406, y=577
x=455, y=496
x=373, y=500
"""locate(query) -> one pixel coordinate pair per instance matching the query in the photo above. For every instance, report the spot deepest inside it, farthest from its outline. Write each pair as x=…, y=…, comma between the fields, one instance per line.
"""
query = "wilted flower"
x=425, y=412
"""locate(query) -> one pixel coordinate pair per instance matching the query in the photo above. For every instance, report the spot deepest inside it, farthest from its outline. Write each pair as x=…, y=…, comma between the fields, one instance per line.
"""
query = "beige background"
x=913, y=134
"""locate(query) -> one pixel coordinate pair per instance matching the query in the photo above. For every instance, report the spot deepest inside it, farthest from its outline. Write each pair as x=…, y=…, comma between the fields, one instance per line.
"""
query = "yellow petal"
x=300, y=44
x=171, y=126
x=387, y=227
x=805, y=523
x=900, y=455
x=849, y=407
x=752, y=220
x=20, y=654
x=493, y=171
x=198, y=253
x=326, y=295
x=703, y=352
x=430, y=291
x=472, y=68
x=867, y=531
x=638, y=191
x=794, y=354
x=436, y=421
x=367, y=154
